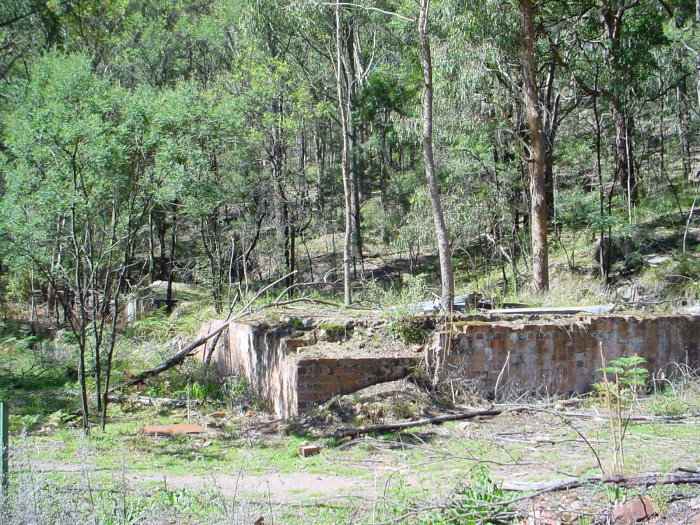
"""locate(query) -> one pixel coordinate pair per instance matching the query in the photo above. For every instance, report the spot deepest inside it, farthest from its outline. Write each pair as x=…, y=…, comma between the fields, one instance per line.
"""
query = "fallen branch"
x=114, y=397
x=172, y=361
x=298, y=300
x=390, y=427
x=645, y=480
x=306, y=285
x=151, y=401
x=581, y=415
x=189, y=350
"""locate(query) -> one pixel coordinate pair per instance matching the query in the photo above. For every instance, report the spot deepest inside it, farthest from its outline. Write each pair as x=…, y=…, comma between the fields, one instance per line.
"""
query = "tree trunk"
x=697, y=60
x=624, y=165
x=681, y=92
x=169, y=299
x=538, y=152
x=355, y=166
x=443, y=239
x=612, y=19
x=347, y=188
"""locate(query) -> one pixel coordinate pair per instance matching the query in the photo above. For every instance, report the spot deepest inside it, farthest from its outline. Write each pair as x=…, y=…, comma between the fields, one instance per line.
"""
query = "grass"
x=124, y=466
x=414, y=465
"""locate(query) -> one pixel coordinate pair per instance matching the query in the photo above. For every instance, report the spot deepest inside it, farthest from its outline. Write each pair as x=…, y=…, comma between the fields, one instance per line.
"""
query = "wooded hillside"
x=220, y=143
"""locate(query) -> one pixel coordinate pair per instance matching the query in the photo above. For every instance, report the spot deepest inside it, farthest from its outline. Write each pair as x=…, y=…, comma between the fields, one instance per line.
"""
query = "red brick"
x=309, y=450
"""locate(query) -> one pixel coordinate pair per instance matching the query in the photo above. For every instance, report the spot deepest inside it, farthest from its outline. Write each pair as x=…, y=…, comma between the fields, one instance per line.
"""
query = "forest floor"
x=246, y=467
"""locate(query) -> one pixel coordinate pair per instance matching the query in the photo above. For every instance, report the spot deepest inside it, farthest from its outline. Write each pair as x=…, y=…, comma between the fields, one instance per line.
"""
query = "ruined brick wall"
x=258, y=354
x=319, y=380
x=561, y=356
x=290, y=382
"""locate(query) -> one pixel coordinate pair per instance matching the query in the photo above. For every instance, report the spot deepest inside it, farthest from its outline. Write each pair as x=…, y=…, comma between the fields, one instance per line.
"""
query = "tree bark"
x=443, y=239
x=347, y=188
x=624, y=165
x=537, y=154
x=682, y=96
x=612, y=19
x=697, y=60
x=355, y=170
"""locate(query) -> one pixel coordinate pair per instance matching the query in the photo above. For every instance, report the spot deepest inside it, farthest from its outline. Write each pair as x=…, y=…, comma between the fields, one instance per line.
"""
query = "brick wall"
x=561, y=356
x=291, y=382
x=318, y=380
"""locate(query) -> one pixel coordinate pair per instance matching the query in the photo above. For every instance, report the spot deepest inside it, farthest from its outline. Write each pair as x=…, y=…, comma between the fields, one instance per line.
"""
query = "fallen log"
x=183, y=354
x=390, y=427
x=189, y=350
x=172, y=361
x=582, y=415
x=645, y=480
x=152, y=401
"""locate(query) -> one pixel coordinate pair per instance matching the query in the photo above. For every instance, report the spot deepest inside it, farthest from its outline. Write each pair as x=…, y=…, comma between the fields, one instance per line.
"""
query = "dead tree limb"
x=645, y=480
x=581, y=415
x=306, y=285
x=209, y=352
x=183, y=354
x=172, y=361
x=298, y=300
x=152, y=401
x=390, y=427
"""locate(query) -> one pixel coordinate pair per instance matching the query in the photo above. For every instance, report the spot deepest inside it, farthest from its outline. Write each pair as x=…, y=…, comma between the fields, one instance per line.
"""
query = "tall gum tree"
x=537, y=153
x=347, y=188
x=443, y=237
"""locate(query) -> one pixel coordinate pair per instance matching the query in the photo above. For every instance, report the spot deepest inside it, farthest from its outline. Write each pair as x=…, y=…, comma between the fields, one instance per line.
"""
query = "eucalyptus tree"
x=69, y=206
x=441, y=232
x=537, y=152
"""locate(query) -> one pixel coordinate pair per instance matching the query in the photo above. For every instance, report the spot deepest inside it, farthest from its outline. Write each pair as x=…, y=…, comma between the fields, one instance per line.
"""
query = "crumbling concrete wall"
x=560, y=355
x=259, y=354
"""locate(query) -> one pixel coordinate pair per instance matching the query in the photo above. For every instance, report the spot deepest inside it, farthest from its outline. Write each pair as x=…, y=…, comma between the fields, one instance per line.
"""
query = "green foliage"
x=335, y=330
x=470, y=503
x=683, y=277
x=409, y=329
x=627, y=377
x=578, y=209
x=667, y=405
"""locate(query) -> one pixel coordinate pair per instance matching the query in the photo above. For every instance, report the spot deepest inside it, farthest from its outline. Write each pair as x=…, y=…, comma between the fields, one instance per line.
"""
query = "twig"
x=369, y=8
x=500, y=376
